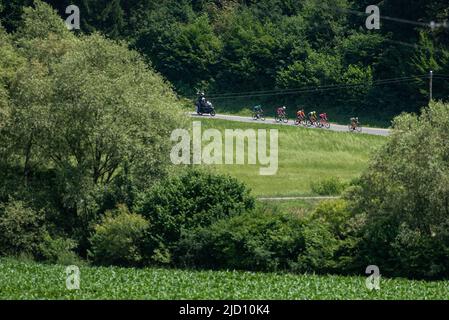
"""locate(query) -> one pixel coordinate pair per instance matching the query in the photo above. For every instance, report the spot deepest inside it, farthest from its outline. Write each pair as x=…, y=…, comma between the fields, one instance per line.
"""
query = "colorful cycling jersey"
x=257, y=108
x=300, y=114
x=281, y=111
x=312, y=114
x=323, y=116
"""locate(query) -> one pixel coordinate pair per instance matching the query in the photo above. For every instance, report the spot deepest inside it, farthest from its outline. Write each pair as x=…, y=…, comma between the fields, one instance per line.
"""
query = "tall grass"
x=305, y=156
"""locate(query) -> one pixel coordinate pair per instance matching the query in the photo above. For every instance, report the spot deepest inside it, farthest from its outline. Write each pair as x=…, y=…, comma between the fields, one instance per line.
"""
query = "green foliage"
x=117, y=238
x=260, y=240
x=404, y=197
x=39, y=21
x=59, y=250
x=337, y=217
x=186, y=53
x=191, y=200
x=243, y=46
x=328, y=187
x=21, y=229
x=82, y=118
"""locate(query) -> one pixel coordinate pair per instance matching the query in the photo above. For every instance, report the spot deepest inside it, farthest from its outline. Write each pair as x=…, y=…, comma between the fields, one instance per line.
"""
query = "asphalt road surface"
x=334, y=127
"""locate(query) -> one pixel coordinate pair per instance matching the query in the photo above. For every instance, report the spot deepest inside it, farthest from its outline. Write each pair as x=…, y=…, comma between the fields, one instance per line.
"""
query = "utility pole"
x=431, y=85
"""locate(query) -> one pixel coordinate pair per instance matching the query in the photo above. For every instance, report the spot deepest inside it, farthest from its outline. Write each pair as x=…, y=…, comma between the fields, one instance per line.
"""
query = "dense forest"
x=318, y=54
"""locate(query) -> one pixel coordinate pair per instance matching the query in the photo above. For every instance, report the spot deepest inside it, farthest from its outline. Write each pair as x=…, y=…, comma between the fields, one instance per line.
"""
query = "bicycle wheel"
x=359, y=128
x=327, y=125
x=285, y=120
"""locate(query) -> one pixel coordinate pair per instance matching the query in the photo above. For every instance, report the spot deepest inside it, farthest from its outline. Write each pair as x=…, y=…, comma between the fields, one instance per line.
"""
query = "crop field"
x=305, y=155
x=27, y=280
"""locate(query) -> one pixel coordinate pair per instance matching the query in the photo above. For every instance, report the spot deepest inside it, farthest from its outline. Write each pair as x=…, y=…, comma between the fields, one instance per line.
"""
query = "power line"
x=324, y=89
x=432, y=24
x=312, y=88
x=415, y=46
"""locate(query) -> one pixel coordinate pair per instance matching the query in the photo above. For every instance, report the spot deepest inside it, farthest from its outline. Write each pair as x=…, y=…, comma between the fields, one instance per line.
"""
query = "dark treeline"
x=230, y=46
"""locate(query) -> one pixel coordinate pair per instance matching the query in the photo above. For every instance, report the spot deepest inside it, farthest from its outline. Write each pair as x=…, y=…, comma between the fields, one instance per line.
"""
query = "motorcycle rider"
x=202, y=102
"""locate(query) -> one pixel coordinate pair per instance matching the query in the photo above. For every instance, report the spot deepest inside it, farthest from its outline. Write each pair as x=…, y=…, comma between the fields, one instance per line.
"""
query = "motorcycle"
x=205, y=108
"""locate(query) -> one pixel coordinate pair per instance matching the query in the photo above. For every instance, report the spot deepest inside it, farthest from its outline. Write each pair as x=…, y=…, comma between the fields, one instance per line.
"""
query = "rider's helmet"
x=284, y=107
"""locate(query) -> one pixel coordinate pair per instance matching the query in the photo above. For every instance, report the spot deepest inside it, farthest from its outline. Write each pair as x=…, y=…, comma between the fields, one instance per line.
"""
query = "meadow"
x=305, y=155
x=29, y=280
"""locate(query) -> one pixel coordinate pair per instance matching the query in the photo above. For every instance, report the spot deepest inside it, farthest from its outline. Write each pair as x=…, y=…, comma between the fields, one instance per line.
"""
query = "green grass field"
x=20, y=280
x=305, y=155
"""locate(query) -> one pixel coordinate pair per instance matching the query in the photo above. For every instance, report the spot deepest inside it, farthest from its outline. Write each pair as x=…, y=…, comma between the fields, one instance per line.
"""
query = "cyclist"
x=281, y=112
x=300, y=115
x=258, y=111
x=312, y=116
x=323, y=117
x=354, y=123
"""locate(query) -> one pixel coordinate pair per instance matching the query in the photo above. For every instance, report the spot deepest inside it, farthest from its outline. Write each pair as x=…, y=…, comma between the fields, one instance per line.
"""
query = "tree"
x=185, y=53
x=188, y=201
x=87, y=115
x=404, y=198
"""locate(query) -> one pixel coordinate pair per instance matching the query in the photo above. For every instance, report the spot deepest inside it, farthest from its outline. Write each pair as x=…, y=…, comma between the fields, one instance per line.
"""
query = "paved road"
x=296, y=198
x=334, y=127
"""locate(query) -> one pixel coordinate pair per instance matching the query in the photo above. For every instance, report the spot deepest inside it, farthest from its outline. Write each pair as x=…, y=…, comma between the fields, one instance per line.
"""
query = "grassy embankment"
x=305, y=155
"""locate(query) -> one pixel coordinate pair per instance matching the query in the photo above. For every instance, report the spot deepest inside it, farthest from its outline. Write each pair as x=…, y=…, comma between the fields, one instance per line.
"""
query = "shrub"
x=335, y=213
x=328, y=187
x=337, y=217
x=260, y=241
x=21, y=229
x=59, y=250
x=117, y=239
x=192, y=200
x=404, y=197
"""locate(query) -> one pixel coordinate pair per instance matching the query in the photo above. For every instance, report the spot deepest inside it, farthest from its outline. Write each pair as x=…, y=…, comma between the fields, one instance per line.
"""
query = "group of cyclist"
x=313, y=117
x=281, y=112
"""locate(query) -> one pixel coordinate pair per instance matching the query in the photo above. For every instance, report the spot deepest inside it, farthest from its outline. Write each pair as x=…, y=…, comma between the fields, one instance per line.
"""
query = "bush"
x=328, y=187
x=192, y=200
x=58, y=250
x=259, y=241
x=337, y=217
x=404, y=196
x=117, y=239
x=21, y=229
